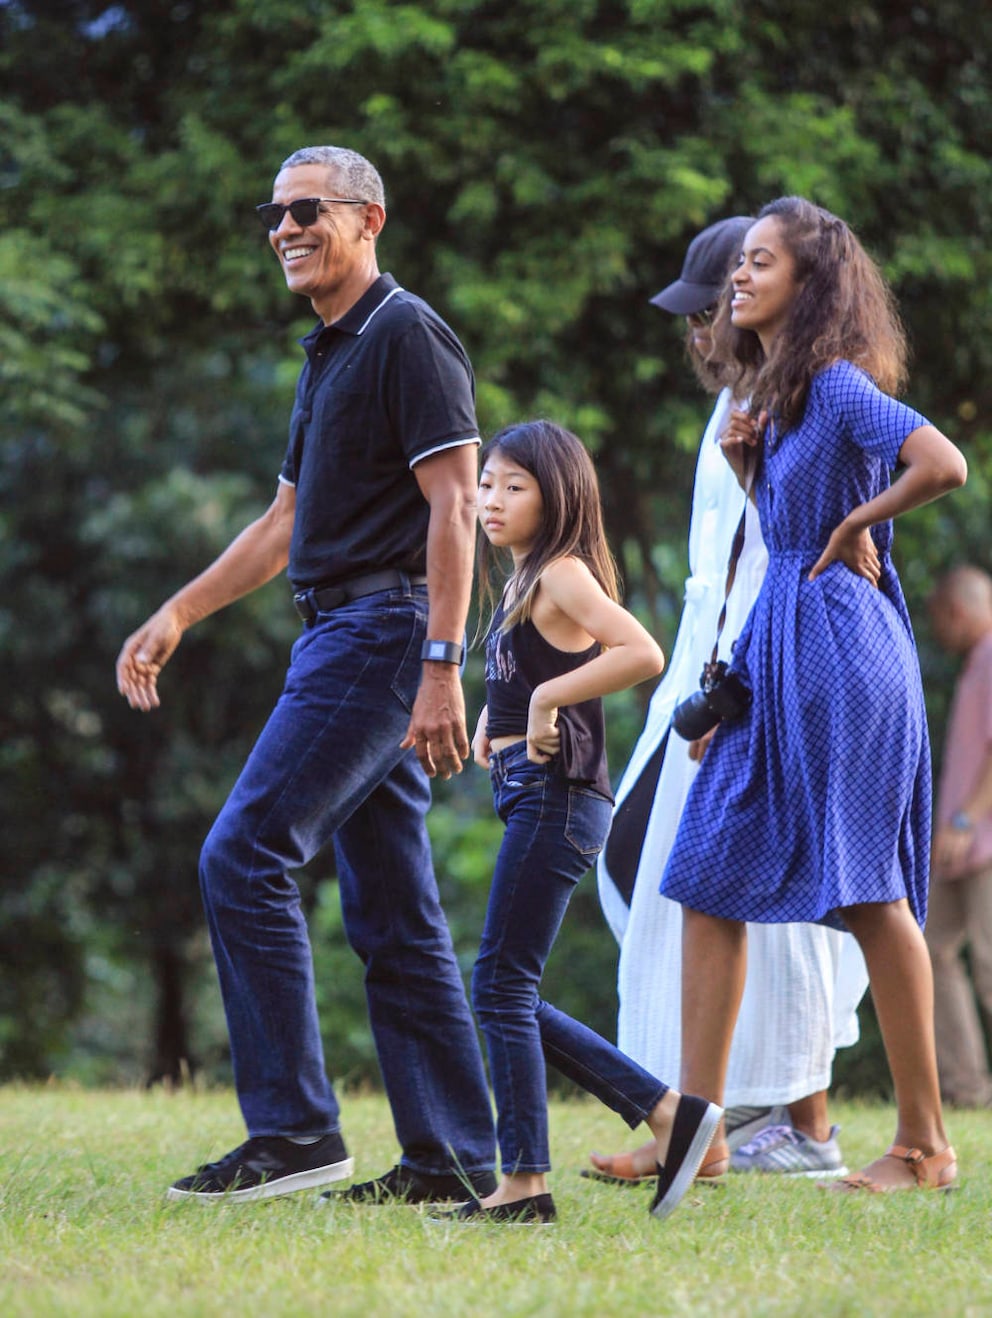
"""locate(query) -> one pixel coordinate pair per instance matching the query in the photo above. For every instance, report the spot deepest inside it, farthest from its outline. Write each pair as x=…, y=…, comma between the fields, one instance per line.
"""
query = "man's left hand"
x=437, y=726
x=950, y=850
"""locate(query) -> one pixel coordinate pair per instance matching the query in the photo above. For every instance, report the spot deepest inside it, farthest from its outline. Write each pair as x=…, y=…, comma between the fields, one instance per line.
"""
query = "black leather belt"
x=321, y=599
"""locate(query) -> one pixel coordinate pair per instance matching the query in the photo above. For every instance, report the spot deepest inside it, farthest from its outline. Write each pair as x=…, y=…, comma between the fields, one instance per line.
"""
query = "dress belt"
x=322, y=599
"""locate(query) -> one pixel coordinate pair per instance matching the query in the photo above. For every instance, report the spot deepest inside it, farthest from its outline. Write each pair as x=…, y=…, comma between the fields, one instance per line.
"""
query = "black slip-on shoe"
x=264, y=1167
x=695, y=1123
x=537, y=1210
x=403, y=1185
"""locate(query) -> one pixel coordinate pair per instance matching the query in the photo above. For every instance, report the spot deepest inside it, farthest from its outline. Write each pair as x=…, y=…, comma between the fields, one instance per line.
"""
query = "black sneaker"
x=264, y=1167
x=537, y=1210
x=404, y=1185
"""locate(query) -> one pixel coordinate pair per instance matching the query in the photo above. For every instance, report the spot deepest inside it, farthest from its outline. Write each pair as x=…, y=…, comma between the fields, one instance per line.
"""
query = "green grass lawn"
x=84, y=1228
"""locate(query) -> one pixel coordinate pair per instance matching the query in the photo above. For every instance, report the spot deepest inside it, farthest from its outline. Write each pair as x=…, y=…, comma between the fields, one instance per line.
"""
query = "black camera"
x=721, y=696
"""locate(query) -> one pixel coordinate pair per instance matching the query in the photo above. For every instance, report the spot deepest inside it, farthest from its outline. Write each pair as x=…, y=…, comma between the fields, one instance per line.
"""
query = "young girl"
x=815, y=803
x=558, y=641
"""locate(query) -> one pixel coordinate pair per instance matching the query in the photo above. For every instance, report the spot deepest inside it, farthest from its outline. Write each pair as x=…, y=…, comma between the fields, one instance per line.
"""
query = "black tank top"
x=517, y=661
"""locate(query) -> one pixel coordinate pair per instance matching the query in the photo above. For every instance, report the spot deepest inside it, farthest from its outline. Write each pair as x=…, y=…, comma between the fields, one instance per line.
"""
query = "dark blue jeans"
x=328, y=765
x=554, y=832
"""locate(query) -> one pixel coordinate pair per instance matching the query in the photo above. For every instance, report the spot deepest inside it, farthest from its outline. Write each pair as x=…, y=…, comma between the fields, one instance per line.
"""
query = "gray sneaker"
x=743, y=1123
x=787, y=1151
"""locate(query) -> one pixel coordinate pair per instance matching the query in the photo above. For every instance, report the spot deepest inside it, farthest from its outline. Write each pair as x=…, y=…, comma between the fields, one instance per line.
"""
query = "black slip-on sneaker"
x=695, y=1122
x=404, y=1185
x=536, y=1210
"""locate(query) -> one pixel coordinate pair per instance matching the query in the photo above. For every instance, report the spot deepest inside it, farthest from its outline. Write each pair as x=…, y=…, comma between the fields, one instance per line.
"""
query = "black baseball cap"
x=705, y=268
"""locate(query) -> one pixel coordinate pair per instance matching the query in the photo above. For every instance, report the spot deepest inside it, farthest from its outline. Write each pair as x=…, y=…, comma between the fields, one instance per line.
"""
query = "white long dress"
x=804, y=981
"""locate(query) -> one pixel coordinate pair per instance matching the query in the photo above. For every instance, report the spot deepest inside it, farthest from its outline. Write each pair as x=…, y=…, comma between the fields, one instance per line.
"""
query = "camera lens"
x=694, y=717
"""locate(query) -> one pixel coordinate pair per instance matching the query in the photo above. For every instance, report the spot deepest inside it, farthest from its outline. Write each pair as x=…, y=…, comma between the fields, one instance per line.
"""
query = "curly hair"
x=572, y=518
x=843, y=310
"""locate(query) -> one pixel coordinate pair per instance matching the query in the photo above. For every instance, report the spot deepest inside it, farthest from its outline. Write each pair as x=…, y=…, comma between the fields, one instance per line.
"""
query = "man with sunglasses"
x=374, y=517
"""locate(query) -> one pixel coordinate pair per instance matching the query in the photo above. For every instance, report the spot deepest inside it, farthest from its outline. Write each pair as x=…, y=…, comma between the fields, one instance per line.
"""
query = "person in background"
x=557, y=643
x=374, y=514
x=813, y=800
x=777, y=1116
x=961, y=891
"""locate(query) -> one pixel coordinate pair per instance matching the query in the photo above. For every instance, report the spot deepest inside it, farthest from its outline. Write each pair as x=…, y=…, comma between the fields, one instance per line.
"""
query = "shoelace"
x=772, y=1137
x=233, y=1158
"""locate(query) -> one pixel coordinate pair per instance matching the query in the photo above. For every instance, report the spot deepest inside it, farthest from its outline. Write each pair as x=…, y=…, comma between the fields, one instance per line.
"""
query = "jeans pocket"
x=526, y=775
x=588, y=821
x=407, y=620
x=512, y=767
x=520, y=786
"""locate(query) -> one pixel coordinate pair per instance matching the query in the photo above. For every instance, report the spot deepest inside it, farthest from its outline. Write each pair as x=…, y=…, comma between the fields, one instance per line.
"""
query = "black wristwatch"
x=443, y=652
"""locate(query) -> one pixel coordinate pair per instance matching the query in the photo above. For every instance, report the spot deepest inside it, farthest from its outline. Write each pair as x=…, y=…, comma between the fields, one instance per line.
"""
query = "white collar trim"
x=392, y=293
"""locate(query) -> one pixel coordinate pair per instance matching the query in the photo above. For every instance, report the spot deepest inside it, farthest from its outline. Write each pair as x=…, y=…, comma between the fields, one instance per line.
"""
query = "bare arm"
x=481, y=748
x=437, y=724
x=570, y=590
x=932, y=466
x=952, y=845
x=250, y=560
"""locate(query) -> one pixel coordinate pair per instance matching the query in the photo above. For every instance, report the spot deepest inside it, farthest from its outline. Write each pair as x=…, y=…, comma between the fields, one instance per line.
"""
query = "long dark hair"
x=572, y=521
x=844, y=310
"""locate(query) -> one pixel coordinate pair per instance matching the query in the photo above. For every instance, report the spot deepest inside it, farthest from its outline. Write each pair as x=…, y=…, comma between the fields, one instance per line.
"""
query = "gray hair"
x=358, y=175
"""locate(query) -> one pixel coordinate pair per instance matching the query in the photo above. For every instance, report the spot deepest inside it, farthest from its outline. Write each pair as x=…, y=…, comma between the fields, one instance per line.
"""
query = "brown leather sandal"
x=717, y=1162
x=620, y=1171
x=938, y=1171
x=621, y=1168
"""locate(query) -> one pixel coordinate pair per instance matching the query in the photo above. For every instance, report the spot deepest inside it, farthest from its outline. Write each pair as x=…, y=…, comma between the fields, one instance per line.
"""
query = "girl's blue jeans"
x=554, y=831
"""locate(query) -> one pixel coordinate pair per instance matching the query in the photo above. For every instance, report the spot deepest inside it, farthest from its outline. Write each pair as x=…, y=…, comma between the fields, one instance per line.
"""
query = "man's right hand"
x=143, y=656
x=249, y=561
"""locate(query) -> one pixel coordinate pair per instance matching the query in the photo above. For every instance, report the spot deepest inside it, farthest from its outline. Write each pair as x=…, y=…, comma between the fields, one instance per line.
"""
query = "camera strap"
x=736, y=548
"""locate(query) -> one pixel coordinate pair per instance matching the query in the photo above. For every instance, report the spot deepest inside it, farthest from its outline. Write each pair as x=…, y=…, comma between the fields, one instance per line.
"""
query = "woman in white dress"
x=804, y=981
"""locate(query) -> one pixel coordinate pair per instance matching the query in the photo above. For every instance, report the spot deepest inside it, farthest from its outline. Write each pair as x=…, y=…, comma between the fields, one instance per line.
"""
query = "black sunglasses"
x=702, y=318
x=304, y=211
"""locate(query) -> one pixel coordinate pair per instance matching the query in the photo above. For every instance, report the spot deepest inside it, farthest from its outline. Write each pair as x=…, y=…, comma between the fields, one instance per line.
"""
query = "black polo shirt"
x=384, y=387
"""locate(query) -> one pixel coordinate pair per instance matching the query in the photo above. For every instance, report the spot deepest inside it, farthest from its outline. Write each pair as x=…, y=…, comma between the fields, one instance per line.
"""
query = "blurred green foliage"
x=546, y=162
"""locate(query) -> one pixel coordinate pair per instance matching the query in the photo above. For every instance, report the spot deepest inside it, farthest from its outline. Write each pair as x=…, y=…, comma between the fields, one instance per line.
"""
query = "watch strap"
x=443, y=652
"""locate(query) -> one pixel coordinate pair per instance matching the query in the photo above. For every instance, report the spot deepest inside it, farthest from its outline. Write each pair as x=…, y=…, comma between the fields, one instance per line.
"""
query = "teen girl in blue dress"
x=815, y=804
x=557, y=643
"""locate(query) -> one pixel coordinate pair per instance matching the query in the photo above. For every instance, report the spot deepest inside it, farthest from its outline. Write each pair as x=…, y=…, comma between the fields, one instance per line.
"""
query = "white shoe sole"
x=815, y=1173
x=308, y=1180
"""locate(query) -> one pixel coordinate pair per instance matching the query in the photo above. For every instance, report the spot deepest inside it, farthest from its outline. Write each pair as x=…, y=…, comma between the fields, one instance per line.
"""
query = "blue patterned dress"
x=819, y=796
